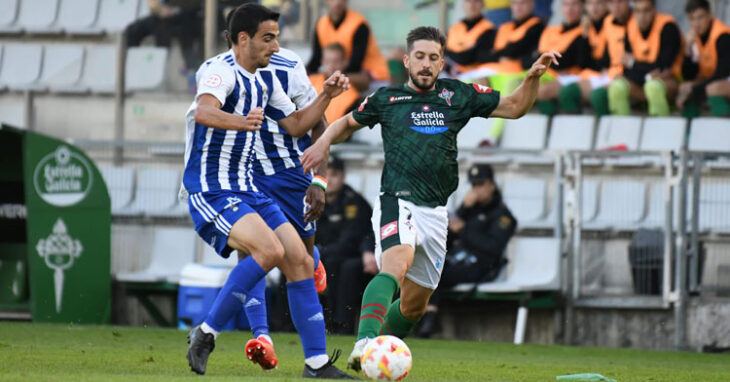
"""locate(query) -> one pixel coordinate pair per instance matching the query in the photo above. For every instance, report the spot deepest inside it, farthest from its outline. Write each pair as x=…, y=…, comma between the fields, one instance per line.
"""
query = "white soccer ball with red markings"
x=386, y=358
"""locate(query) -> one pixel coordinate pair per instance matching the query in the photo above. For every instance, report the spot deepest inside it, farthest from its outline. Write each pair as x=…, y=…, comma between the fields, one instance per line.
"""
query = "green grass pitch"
x=43, y=352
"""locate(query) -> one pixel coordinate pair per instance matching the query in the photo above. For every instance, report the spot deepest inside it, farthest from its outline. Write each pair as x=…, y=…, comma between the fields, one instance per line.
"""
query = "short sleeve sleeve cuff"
x=359, y=118
x=487, y=99
x=303, y=92
x=218, y=80
x=367, y=113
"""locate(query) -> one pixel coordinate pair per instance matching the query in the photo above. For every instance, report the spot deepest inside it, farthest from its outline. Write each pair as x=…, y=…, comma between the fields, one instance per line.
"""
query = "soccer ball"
x=386, y=358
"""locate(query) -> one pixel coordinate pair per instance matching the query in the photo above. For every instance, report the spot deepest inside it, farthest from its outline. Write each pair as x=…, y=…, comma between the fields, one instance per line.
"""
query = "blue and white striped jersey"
x=276, y=149
x=217, y=159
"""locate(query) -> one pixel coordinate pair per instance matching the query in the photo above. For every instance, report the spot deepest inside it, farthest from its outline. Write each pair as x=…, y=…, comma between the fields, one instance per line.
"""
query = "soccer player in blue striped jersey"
x=278, y=174
x=228, y=210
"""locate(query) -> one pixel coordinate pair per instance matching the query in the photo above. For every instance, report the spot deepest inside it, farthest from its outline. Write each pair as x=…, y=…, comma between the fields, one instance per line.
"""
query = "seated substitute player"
x=334, y=59
x=707, y=62
x=419, y=122
x=572, y=96
x=652, y=62
x=594, y=86
x=350, y=29
x=470, y=36
x=514, y=44
x=228, y=210
x=567, y=39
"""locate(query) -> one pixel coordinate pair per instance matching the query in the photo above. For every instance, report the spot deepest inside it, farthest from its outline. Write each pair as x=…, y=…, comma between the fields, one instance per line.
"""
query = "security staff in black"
x=341, y=229
x=478, y=236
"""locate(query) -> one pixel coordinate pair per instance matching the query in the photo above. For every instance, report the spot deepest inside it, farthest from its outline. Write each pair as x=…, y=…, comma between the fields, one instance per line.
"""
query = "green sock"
x=377, y=296
x=599, y=101
x=719, y=106
x=618, y=97
x=547, y=107
x=569, y=98
x=395, y=324
x=691, y=110
x=656, y=97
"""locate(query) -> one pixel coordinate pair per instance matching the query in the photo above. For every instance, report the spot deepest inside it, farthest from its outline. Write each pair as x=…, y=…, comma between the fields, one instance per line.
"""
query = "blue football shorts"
x=288, y=189
x=215, y=212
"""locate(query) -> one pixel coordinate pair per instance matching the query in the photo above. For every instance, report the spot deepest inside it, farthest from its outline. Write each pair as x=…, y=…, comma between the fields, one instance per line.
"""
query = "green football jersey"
x=419, y=135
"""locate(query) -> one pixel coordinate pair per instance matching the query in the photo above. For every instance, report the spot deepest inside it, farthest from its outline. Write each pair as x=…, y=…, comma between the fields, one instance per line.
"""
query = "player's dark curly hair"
x=246, y=18
x=425, y=33
x=693, y=5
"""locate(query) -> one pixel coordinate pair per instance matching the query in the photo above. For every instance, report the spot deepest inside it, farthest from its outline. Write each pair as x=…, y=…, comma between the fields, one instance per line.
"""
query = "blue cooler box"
x=199, y=287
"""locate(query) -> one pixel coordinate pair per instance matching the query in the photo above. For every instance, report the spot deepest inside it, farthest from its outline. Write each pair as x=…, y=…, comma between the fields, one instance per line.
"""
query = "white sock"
x=317, y=361
x=207, y=329
x=267, y=338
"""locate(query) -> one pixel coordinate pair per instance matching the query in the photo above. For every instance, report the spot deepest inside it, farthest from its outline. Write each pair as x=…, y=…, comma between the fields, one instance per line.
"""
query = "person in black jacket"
x=344, y=238
x=478, y=235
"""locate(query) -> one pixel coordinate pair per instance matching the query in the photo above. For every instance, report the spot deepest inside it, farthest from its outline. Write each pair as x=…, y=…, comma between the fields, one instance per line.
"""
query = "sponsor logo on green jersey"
x=427, y=121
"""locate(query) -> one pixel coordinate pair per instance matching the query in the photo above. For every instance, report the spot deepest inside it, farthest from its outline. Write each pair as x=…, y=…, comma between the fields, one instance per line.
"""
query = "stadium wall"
x=651, y=329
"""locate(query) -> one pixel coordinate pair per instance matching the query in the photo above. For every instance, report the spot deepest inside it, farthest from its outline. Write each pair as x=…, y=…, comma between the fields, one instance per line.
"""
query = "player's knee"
x=298, y=260
x=714, y=88
x=396, y=269
x=618, y=89
x=654, y=89
x=273, y=252
x=396, y=260
x=569, y=98
x=305, y=261
x=598, y=97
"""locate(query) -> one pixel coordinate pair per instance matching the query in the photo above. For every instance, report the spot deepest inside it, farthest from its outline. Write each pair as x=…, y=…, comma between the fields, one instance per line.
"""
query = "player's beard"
x=420, y=85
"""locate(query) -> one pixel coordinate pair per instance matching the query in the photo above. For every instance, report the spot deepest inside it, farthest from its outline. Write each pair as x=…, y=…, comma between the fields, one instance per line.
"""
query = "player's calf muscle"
x=413, y=310
x=414, y=300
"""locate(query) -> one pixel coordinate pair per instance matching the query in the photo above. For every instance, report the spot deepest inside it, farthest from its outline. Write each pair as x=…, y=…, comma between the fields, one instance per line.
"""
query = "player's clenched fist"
x=336, y=84
x=253, y=120
x=543, y=64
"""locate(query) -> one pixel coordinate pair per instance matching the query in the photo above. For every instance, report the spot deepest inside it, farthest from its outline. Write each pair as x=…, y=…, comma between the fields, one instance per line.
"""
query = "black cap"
x=336, y=163
x=480, y=172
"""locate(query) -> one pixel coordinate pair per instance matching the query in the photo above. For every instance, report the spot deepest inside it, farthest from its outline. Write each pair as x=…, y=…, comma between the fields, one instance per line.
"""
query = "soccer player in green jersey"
x=419, y=121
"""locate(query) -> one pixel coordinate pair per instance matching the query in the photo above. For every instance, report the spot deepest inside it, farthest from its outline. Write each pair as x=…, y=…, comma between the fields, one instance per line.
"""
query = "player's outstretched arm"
x=209, y=113
x=301, y=121
x=337, y=132
x=521, y=100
